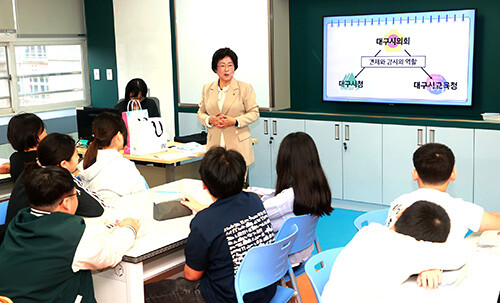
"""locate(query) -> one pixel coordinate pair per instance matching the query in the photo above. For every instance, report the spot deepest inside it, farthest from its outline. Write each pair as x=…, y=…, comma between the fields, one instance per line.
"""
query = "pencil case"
x=170, y=210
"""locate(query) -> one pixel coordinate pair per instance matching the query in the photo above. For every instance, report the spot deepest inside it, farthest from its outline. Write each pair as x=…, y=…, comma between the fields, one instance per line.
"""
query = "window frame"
x=11, y=42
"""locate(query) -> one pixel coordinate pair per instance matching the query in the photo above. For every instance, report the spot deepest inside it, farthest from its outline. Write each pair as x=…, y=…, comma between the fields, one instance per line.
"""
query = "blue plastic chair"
x=377, y=216
x=318, y=269
x=263, y=266
x=3, y=211
x=305, y=237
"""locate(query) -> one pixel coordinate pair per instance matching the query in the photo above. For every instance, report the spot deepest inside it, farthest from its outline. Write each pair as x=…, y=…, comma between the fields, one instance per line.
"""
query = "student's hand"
x=5, y=168
x=430, y=279
x=192, y=204
x=135, y=223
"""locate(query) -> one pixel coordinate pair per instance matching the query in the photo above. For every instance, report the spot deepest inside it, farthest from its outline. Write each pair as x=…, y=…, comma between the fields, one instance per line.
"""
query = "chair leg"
x=295, y=285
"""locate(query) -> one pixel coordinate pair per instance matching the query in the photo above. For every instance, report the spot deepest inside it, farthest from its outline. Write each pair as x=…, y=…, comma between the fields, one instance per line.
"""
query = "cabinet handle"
x=346, y=133
x=432, y=136
x=337, y=131
x=420, y=137
x=266, y=127
x=275, y=127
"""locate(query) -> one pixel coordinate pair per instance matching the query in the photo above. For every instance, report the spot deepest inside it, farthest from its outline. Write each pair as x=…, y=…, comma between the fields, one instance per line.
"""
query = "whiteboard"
x=204, y=26
x=417, y=58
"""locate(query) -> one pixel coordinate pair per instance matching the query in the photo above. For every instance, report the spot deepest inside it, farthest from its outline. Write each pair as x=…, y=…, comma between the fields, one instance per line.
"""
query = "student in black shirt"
x=137, y=89
x=24, y=132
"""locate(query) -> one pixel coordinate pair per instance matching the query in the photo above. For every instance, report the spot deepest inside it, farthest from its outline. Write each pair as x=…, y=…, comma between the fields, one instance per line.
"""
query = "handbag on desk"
x=131, y=115
x=147, y=136
x=170, y=210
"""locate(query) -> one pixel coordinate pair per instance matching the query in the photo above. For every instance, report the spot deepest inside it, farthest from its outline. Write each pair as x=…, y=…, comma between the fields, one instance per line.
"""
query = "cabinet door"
x=189, y=124
x=259, y=172
x=400, y=142
x=362, y=162
x=487, y=169
x=327, y=136
x=279, y=128
x=461, y=142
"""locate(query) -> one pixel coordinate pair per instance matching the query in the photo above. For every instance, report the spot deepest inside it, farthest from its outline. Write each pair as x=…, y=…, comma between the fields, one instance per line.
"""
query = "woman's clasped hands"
x=221, y=121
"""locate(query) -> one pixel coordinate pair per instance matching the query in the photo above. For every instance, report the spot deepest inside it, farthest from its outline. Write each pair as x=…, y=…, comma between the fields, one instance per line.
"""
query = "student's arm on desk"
x=490, y=221
x=192, y=204
x=191, y=274
x=100, y=248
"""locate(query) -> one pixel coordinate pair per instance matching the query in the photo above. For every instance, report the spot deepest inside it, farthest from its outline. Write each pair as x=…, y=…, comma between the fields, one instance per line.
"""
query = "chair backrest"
x=318, y=269
x=377, y=216
x=307, y=231
x=263, y=265
x=3, y=211
x=5, y=300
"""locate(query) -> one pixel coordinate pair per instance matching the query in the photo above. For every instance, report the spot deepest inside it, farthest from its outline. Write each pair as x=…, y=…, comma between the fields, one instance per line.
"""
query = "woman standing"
x=228, y=106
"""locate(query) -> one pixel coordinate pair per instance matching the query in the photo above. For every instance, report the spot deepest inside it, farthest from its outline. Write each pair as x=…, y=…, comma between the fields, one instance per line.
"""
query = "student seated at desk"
x=56, y=150
x=301, y=186
x=48, y=252
x=379, y=259
x=220, y=236
x=24, y=132
x=104, y=168
x=434, y=170
x=137, y=89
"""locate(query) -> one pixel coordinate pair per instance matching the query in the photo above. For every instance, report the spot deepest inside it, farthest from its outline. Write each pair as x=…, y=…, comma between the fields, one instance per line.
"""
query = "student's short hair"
x=222, y=53
x=223, y=172
x=424, y=221
x=136, y=86
x=55, y=148
x=23, y=131
x=47, y=186
x=434, y=163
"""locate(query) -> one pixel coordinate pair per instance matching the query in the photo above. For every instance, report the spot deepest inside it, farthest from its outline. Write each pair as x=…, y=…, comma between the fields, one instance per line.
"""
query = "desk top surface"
x=170, y=156
x=154, y=237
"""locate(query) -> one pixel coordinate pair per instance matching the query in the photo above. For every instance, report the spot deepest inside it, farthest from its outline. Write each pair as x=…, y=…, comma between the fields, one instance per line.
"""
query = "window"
x=42, y=74
x=4, y=79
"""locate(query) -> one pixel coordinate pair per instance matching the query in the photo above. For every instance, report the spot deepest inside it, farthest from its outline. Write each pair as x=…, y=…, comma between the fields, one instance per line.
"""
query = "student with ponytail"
x=301, y=186
x=104, y=169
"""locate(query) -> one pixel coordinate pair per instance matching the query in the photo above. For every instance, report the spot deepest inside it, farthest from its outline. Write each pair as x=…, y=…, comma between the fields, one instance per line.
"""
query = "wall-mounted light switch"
x=109, y=74
x=97, y=74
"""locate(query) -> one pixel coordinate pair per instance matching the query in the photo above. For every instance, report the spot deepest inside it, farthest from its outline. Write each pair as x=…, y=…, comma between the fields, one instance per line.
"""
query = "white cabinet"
x=487, y=169
x=461, y=142
x=328, y=139
x=189, y=124
x=400, y=142
x=362, y=162
x=269, y=132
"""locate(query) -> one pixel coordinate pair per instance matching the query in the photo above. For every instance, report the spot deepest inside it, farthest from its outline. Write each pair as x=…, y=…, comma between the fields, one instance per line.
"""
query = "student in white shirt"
x=105, y=170
x=301, y=186
x=379, y=259
x=434, y=170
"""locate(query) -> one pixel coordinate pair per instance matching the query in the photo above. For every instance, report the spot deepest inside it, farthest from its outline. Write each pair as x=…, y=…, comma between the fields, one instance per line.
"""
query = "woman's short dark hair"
x=104, y=128
x=223, y=172
x=47, y=186
x=23, y=131
x=424, y=221
x=55, y=148
x=222, y=53
x=134, y=87
x=298, y=166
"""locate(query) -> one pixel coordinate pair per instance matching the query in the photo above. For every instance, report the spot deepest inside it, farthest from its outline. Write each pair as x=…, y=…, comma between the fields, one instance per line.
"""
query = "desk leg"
x=169, y=173
x=123, y=283
x=135, y=282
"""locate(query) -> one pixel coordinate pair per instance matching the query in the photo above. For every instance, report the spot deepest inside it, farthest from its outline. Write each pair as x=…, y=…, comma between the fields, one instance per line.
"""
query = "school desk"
x=158, y=248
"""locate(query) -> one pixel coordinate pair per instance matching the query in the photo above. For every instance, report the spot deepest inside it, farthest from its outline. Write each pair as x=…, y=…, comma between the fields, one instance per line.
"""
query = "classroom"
x=59, y=56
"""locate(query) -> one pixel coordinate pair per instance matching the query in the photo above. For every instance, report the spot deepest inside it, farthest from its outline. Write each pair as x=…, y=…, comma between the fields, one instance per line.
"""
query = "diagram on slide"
x=418, y=58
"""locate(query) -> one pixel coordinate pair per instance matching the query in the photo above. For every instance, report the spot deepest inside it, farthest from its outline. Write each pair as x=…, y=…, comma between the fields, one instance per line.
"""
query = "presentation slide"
x=409, y=58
